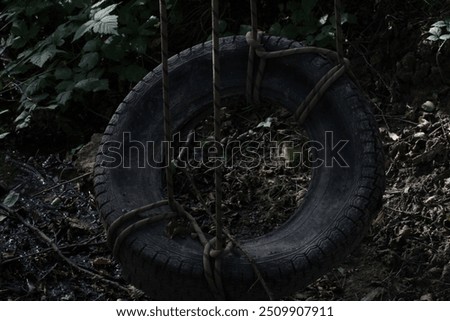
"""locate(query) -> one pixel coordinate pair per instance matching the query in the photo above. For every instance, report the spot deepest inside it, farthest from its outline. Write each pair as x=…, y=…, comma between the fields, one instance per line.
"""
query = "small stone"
x=428, y=106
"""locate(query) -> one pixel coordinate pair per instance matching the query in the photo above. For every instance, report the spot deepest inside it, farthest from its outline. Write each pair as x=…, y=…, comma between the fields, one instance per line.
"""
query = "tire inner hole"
x=266, y=172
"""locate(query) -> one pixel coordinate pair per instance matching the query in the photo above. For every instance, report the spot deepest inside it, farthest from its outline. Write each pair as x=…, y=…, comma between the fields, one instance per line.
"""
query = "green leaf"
x=83, y=29
x=23, y=115
x=63, y=73
x=323, y=19
x=435, y=31
x=433, y=38
x=92, y=84
x=40, y=58
x=19, y=28
x=25, y=123
x=445, y=37
x=439, y=24
x=92, y=45
x=57, y=37
x=95, y=73
x=107, y=25
x=35, y=85
x=99, y=15
x=18, y=42
x=275, y=29
x=65, y=85
x=89, y=61
x=39, y=98
x=102, y=84
x=11, y=199
x=3, y=135
x=63, y=97
x=49, y=107
x=98, y=4
x=25, y=54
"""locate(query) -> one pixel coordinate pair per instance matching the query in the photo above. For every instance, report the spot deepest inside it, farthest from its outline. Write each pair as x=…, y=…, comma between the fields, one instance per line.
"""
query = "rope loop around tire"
x=253, y=39
x=213, y=268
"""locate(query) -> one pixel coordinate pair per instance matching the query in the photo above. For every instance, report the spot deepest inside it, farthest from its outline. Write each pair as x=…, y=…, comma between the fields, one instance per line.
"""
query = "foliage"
x=299, y=20
x=440, y=31
x=60, y=53
x=71, y=60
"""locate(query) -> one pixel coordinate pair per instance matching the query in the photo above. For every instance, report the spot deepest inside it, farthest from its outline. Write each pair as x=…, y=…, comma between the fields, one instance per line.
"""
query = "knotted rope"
x=253, y=39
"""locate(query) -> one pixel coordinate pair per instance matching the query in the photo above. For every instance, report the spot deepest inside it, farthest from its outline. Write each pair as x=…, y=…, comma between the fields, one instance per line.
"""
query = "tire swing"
x=136, y=200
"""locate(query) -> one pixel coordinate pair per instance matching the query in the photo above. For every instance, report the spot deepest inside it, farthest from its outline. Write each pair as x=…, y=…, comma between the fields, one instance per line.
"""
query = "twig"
x=62, y=248
x=398, y=119
x=27, y=168
x=57, y=250
x=61, y=184
x=438, y=53
x=444, y=133
x=382, y=116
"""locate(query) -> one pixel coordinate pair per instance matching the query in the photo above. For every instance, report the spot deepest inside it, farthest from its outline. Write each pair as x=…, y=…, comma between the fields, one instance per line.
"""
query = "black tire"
x=332, y=220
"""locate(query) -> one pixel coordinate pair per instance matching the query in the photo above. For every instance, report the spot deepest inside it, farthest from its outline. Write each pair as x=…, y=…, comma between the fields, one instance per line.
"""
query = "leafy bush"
x=60, y=53
x=66, y=62
x=440, y=31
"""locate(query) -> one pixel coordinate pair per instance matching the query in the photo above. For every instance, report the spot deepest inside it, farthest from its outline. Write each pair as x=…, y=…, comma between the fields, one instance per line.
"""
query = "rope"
x=129, y=216
x=139, y=224
x=213, y=275
x=321, y=86
x=339, y=34
x=318, y=91
x=166, y=102
x=217, y=120
x=251, y=52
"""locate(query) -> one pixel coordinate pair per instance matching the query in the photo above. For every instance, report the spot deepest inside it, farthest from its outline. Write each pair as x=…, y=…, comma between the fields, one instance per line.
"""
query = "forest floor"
x=52, y=244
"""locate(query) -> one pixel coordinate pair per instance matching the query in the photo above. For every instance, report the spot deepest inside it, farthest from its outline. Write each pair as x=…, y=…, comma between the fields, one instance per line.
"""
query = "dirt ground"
x=52, y=245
